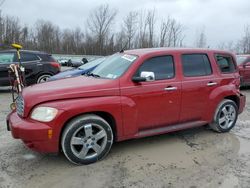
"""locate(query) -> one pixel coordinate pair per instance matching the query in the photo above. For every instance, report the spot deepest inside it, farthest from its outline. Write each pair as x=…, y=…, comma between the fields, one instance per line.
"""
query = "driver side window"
x=162, y=67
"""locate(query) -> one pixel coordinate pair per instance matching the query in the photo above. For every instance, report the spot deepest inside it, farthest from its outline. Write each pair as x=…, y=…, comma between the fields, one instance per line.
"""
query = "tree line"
x=138, y=29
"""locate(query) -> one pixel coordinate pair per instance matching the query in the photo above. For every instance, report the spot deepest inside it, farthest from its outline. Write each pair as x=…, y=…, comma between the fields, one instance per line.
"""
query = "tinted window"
x=28, y=57
x=163, y=67
x=196, y=65
x=225, y=63
x=6, y=58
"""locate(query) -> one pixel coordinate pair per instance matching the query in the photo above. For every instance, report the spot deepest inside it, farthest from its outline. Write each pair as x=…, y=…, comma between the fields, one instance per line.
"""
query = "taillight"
x=56, y=65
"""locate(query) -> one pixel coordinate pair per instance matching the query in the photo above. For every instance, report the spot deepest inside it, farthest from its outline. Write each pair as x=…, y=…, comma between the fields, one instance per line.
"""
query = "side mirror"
x=144, y=77
x=150, y=76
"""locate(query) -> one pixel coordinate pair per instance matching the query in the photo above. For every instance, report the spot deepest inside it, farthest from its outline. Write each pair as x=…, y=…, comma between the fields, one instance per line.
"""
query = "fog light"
x=13, y=106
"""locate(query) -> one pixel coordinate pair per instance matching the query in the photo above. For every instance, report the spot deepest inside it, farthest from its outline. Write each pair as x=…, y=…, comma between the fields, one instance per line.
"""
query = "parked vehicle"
x=243, y=62
x=63, y=62
x=39, y=66
x=74, y=63
x=84, y=69
x=132, y=94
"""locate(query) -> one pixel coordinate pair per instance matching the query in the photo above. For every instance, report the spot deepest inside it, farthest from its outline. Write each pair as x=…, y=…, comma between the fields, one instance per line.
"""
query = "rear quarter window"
x=225, y=63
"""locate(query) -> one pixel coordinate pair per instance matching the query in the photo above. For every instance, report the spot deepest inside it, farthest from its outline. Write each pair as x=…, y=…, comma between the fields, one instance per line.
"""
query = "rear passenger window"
x=225, y=63
x=196, y=65
x=29, y=57
x=163, y=67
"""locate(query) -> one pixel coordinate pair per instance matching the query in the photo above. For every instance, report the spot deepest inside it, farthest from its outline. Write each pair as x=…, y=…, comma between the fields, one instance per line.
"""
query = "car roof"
x=243, y=55
x=144, y=51
x=28, y=51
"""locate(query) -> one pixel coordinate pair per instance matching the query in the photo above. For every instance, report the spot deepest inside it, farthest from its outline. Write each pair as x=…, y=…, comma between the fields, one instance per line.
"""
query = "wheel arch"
x=105, y=115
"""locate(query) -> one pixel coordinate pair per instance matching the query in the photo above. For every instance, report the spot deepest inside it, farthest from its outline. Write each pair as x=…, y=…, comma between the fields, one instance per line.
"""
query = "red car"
x=132, y=94
x=243, y=62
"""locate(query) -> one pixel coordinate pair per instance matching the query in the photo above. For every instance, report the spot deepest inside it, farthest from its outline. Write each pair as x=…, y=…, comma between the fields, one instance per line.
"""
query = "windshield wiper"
x=93, y=75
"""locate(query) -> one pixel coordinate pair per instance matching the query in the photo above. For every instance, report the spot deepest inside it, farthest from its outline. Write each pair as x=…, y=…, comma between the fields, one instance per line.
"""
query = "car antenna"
x=123, y=48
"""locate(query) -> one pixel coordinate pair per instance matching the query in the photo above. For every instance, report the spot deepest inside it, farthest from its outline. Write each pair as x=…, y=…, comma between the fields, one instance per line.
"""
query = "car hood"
x=67, y=73
x=76, y=87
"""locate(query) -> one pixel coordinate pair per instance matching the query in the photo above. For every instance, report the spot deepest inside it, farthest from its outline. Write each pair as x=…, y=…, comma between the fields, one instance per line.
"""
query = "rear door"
x=31, y=62
x=6, y=58
x=197, y=83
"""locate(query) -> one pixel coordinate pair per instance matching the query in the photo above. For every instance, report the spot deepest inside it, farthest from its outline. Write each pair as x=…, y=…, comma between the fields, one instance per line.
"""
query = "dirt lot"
x=191, y=158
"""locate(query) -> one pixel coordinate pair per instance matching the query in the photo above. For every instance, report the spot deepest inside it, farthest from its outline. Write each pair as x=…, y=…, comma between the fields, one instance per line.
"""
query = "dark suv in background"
x=39, y=66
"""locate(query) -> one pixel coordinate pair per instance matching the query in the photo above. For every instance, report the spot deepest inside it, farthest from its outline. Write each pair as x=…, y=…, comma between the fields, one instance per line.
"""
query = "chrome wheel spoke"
x=84, y=151
x=96, y=148
x=224, y=110
x=88, y=130
x=231, y=110
x=100, y=135
x=222, y=120
x=76, y=141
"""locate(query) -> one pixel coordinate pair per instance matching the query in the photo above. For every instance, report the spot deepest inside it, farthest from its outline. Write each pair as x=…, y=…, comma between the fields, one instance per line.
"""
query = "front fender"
x=71, y=108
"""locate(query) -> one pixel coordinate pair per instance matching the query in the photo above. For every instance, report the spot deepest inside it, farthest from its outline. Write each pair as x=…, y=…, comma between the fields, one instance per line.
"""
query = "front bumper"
x=34, y=134
x=242, y=103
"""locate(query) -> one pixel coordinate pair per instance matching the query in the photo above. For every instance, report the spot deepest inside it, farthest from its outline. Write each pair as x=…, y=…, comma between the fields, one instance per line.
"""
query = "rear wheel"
x=43, y=78
x=225, y=116
x=86, y=139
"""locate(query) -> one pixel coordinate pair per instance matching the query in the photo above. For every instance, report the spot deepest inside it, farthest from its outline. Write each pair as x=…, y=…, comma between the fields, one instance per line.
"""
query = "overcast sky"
x=223, y=20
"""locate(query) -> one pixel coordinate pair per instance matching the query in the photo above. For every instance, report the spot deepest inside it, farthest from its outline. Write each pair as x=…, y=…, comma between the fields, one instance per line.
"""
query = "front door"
x=157, y=102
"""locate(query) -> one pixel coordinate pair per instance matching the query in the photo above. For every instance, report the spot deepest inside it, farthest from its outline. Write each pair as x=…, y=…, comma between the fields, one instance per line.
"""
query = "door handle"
x=211, y=83
x=170, y=88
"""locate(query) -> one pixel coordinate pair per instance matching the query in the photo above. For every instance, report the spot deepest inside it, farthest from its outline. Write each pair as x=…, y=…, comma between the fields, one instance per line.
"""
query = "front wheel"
x=86, y=139
x=225, y=116
x=43, y=78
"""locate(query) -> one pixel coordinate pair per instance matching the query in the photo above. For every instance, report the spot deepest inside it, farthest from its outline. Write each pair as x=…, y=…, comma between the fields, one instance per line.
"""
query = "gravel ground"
x=191, y=158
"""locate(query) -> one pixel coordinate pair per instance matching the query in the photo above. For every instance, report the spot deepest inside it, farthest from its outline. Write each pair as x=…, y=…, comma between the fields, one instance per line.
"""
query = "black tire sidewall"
x=221, y=106
x=70, y=130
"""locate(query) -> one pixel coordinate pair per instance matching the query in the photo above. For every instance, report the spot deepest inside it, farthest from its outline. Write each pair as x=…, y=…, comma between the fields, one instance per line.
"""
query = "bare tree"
x=129, y=27
x=245, y=41
x=151, y=26
x=142, y=30
x=171, y=33
x=164, y=32
x=201, y=40
x=99, y=23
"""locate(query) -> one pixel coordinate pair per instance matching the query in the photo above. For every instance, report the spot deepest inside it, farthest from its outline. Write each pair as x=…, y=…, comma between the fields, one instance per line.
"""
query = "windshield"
x=241, y=59
x=92, y=63
x=114, y=66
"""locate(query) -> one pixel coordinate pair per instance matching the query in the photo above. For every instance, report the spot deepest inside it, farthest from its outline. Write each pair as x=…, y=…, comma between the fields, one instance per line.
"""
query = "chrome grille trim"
x=20, y=105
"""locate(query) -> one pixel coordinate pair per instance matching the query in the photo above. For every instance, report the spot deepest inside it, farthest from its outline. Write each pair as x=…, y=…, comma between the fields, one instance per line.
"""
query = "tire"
x=86, y=139
x=225, y=116
x=43, y=78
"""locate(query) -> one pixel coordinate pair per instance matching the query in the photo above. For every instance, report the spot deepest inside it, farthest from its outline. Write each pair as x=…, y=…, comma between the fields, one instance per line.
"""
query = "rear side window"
x=6, y=58
x=225, y=63
x=29, y=57
x=162, y=66
x=196, y=65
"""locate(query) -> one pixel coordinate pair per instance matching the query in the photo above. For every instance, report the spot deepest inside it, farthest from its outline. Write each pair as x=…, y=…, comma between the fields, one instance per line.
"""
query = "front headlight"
x=44, y=114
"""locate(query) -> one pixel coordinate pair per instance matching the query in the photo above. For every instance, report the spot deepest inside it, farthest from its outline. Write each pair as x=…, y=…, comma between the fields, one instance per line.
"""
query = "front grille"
x=20, y=105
